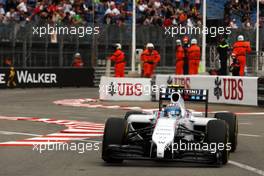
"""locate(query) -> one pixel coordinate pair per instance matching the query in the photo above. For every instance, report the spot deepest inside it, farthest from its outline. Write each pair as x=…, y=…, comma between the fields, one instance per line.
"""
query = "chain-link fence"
x=27, y=49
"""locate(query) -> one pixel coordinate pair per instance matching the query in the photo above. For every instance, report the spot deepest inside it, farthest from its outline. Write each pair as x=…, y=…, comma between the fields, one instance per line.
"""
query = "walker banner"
x=45, y=77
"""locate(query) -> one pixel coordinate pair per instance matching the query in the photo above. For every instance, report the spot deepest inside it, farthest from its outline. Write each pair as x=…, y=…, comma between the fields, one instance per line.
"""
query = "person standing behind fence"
x=119, y=58
x=150, y=58
x=222, y=49
x=235, y=65
x=185, y=59
x=241, y=48
x=77, y=61
x=194, y=56
x=179, y=58
x=7, y=62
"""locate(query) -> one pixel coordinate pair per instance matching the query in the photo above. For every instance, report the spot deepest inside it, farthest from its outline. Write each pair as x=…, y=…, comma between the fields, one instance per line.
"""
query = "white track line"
x=23, y=143
x=72, y=134
x=250, y=113
x=247, y=167
x=244, y=123
x=249, y=135
x=18, y=133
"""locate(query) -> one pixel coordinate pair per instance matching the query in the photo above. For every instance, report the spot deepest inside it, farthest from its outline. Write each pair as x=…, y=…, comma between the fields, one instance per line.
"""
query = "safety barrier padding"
x=261, y=91
x=46, y=77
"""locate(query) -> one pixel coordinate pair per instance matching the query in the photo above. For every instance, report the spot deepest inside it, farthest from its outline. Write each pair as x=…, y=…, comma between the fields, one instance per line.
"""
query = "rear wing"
x=192, y=95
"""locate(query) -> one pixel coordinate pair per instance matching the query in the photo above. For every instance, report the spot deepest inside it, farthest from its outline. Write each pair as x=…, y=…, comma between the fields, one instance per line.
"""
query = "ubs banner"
x=222, y=89
x=45, y=77
x=125, y=89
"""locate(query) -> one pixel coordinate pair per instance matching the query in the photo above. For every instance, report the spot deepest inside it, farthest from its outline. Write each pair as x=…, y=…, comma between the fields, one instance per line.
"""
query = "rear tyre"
x=114, y=133
x=217, y=133
x=132, y=112
x=231, y=120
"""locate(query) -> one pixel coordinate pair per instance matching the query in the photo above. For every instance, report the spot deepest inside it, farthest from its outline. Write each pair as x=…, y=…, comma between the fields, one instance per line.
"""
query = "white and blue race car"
x=173, y=133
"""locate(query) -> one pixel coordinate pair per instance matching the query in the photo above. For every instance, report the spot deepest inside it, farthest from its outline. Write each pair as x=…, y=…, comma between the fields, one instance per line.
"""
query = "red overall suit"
x=179, y=60
x=78, y=63
x=150, y=60
x=194, y=55
x=241, y=48
x=118, y=57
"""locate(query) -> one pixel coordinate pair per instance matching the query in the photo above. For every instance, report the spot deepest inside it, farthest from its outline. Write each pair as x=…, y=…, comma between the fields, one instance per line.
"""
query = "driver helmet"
x=173, y=111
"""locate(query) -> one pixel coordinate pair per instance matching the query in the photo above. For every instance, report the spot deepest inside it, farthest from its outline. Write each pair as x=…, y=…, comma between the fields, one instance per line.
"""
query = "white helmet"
x=118, y=46
x=178, y=42
x=77, y=55
x=240, y=38
x=150, y=45
x=194, y=41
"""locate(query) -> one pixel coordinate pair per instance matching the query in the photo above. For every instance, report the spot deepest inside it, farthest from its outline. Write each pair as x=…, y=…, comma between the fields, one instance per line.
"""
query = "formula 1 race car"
x=173, y=133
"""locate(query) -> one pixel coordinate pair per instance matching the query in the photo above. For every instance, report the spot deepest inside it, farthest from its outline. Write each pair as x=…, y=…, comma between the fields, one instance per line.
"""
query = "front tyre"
x=231, y=120
x=114, y=133
x=217, y=133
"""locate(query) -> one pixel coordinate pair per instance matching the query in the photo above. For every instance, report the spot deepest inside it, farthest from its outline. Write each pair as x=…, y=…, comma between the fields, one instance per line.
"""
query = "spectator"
x=67, y=19
x=182, y=18
x=177, y=3
x=77, y=61
x=233, y=24
x=79, y=12
x=185, y=3
x=242, y=10
x=111, y=14
x=11, y=16
x=198, y=4
x=2, y=12
x=2, y=9
x=7, y=62
x=22, y=7
x=142, y=6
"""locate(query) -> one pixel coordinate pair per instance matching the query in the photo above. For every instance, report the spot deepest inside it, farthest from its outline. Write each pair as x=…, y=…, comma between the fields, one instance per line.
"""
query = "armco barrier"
x=261, y=91
x=46, y=77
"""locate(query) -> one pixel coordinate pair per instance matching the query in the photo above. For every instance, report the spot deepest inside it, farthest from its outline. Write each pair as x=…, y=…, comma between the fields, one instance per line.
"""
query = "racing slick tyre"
x=132, y=112
x=114, y=133
x=231, y=120
x=217, y=133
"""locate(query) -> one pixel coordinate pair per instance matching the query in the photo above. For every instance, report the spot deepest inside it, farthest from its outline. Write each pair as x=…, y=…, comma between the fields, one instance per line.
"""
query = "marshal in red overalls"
x=240, y=49
x=194, y=56
x=119, y=58
x=180, y=54
x=150, y=58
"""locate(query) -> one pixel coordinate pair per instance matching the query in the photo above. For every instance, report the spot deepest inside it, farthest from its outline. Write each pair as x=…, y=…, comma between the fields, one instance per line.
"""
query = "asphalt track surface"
x=24, y=161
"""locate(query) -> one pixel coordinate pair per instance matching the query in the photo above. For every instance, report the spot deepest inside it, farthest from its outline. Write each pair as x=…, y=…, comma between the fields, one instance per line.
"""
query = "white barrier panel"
x=125, y=89
x=222, y=89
